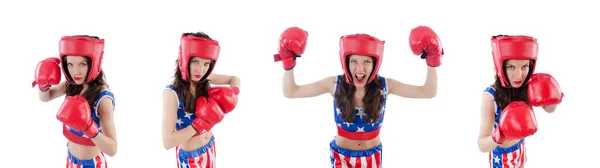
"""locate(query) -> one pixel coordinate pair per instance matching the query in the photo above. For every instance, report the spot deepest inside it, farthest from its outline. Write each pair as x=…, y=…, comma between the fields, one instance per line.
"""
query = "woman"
x=359, y=94
x=506, y=113
x=191, y=107
x=87, y=112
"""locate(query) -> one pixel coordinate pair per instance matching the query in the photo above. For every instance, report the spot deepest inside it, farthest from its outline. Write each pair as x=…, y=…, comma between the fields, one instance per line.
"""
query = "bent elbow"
x=287, y=94
x=44, y=99
x=432, y=95
x=167, y=145
x=111, y=154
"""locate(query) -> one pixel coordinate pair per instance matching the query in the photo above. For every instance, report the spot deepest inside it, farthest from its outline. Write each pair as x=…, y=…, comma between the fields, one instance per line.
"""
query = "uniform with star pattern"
x=513, y=156
x=359, y=125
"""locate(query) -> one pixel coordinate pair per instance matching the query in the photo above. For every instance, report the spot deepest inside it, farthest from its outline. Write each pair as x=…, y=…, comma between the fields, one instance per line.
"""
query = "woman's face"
x=517, y=71
x=360, y=68
x=78, y=68
x=198, y=67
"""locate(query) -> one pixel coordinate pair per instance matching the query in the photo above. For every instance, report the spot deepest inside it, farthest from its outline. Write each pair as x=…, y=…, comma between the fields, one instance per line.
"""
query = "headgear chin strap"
x=505, y=47
x=82, y=46
x=360, y=44
x=192, y=46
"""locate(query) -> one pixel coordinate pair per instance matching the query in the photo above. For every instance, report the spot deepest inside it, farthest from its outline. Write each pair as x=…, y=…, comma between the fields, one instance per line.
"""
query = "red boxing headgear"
x=192, y=46
x=360, y=44
x=513, y=47
x=82, y=46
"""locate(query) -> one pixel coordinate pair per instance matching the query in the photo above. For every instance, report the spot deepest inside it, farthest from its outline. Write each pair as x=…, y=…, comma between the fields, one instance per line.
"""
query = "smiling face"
x=360, y=67
x=78, y=68
x=198, y=67
x=517, y=71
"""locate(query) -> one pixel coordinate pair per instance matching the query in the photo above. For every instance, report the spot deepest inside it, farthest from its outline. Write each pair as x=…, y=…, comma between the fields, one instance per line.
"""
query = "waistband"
x=358, y=135
x=354, y=153
x=92, y=161
x=198, y=151
x=500, y=150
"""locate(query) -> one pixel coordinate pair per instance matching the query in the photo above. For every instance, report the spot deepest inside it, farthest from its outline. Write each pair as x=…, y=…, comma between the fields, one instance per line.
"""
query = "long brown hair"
x=505, y=95
x=183, y=87
x=344, y=99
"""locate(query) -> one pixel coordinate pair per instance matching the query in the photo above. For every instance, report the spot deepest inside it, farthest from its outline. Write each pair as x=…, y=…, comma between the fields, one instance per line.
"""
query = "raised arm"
x=293, y=90
x=219, y=79
x=428, y=90
x=486, y=125
x=424, y=42
x=170, y=137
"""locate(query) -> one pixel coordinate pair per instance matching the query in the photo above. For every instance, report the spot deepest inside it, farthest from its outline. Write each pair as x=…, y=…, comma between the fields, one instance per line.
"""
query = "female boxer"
x=506, y=113
x=359, y=94
x=191, y=107
x=87, y=112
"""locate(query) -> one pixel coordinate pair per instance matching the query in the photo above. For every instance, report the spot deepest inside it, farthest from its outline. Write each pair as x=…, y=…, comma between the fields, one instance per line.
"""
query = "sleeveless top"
x=358, y=129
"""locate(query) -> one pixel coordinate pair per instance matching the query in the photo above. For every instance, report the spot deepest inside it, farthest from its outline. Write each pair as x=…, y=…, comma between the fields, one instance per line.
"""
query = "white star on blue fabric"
x=188, y=115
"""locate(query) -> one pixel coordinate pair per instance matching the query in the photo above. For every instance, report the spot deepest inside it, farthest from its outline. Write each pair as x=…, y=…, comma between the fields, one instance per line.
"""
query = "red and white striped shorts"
x=203, y=157
x=96, y=162
x=511, y=157
x=346, y=158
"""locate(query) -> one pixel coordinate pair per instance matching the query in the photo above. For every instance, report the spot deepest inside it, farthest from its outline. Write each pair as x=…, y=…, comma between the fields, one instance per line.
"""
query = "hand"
x=425, y=43
x=543, y=90
x=517, y=121
x=76, y=113
x=292, y=43
x=47, y=73
x=208, y=114
x=226, y=97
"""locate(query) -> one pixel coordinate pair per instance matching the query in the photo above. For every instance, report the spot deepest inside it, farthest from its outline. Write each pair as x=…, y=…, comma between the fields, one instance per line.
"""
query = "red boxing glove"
x=292, y=43
x=226, y=97
x=47, y=73
x=517, y=121
x=76, y=113
x=425, y=43
x=208, y=114
x=543, y=90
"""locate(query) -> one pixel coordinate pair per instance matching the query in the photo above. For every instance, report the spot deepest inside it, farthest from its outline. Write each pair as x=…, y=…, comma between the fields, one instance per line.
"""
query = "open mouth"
x=360, y=77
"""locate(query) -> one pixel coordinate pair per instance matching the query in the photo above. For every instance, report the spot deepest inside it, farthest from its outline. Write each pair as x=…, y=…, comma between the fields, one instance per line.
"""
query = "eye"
x=207, y=64
x=195, y=61
x=526, y=66
x=368, y=61
x=83, y=64
x=510, y=67
x=353, y=61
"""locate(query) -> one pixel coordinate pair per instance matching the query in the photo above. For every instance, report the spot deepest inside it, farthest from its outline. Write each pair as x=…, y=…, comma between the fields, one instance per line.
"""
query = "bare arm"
x=170, y=137
x=428, y=90
x=486, y=126
x=292, y=90
x=107, y=140
x=53, y=92
x=225, y=80
x=550, y=108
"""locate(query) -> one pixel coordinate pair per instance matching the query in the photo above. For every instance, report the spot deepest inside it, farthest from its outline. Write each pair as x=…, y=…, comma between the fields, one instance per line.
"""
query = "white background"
x=142, y=42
